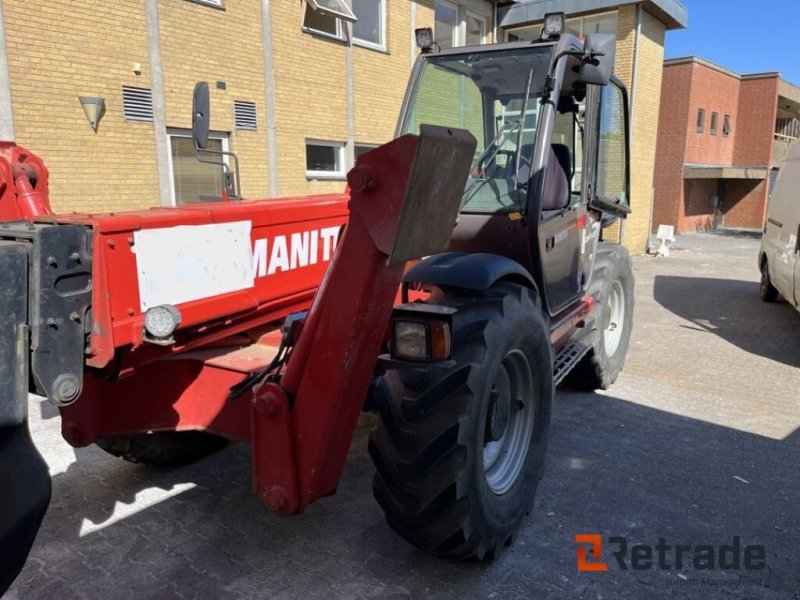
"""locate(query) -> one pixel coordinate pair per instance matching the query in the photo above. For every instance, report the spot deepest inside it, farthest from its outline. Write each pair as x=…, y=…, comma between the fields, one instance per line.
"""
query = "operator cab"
x=551, y=166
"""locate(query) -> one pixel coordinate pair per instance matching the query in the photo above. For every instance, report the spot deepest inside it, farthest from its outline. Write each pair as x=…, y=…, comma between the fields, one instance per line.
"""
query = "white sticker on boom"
x=191, y=262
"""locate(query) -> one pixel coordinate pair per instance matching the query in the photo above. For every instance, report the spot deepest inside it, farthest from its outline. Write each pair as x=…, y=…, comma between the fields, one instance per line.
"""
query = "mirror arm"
x=232, y=193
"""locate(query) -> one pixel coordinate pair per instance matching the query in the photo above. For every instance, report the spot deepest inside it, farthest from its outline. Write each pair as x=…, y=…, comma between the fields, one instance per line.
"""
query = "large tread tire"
x=163, y=448
x=428, y=447
x=598, y=369
x=766, y=291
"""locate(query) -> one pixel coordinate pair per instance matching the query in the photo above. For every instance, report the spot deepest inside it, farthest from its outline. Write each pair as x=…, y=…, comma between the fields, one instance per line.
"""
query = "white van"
x=779, y=257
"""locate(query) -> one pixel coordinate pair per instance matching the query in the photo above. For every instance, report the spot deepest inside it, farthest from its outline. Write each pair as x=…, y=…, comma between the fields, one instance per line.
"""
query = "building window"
x=244, y=115
x=701, y=120
x=713, y=129
x=325, y=160
x=370, y=29
x=322, y=23
x=137, y=104
x=726, y=126
x=194, y=181
x=363, y=149
x=603, y=23
x=475, y=30
x=445, y=31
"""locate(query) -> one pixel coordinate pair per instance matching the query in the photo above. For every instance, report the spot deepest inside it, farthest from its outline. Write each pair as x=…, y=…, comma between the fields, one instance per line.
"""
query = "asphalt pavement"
x=697, y=444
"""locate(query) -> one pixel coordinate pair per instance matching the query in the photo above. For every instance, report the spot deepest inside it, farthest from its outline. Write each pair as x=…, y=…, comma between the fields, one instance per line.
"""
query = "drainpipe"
x=634, y=89
x=269, y=93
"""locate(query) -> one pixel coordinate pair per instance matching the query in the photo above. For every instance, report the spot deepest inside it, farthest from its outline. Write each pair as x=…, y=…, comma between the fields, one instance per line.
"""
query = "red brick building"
x=719, y=136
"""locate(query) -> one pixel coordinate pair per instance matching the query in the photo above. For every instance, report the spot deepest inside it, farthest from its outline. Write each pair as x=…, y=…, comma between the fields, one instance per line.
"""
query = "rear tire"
x=163, y=448
x=459, y=452
x=612, y=287
x=766, y=291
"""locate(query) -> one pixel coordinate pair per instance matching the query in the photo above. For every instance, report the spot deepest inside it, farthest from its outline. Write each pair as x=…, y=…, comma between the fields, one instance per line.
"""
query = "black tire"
x=431, y=441
x=163, y=448
x=612, y=274
x=766, y=291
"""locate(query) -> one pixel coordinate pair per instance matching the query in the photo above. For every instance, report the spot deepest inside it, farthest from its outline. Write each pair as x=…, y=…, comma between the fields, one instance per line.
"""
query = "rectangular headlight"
x=410, y=340
x=416, y=340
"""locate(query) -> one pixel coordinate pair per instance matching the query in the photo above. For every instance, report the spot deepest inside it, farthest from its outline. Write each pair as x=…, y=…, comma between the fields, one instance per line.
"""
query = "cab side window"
x=612, y=148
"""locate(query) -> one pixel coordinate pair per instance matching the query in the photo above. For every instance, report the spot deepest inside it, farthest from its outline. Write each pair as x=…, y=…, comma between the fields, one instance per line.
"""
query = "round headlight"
x=161, y=321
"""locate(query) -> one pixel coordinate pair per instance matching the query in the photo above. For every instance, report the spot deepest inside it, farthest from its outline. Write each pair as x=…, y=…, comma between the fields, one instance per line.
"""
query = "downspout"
x=159, y=106
x=634, y=87
x=269, y=93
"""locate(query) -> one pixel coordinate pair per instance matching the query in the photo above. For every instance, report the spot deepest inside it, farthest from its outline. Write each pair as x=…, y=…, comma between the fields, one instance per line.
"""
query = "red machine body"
x=300, y=423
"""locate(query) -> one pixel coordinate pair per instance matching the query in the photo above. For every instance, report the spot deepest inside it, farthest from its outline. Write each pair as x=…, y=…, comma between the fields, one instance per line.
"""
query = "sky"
x=742, y=35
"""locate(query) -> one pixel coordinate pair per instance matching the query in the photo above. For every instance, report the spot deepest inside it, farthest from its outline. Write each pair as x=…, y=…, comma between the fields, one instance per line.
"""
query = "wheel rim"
x=506, y=446
x=615, y=318
x=764, y=279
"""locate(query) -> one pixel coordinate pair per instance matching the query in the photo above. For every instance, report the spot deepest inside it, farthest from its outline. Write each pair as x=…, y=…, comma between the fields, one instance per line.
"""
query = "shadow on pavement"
x=731, y=309
x=614, y=468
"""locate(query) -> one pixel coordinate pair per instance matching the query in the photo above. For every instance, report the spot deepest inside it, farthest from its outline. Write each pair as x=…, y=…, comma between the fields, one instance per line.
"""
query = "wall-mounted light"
x=94, y=108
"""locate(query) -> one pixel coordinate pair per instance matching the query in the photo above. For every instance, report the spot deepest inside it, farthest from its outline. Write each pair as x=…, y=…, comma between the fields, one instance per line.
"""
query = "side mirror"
x=601, y=49
x=201, y=115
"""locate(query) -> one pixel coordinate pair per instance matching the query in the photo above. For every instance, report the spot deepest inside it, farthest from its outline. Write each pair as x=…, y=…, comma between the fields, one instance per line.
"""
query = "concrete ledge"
x=720, y=172
x=671, y=12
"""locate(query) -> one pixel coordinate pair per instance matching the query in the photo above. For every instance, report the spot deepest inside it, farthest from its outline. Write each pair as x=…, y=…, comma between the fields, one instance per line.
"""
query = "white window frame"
x=340, y=29
x=569, y=22
x=187, y=133
x=457, y=24
x=214, y=3
x=484, y=25
x=372, y=45
x=345, y=13
x=341, y=158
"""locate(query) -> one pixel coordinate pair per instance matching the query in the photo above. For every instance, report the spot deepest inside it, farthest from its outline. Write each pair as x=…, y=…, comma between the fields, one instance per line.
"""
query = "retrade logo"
x=665, y=557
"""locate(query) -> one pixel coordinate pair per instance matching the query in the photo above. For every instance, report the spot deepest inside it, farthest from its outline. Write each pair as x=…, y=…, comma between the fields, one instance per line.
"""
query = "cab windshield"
x=496, y=95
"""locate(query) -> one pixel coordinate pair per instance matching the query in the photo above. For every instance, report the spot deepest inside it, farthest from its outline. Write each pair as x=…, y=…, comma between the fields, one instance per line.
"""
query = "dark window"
x=726, y=126
x=325, y=159
x=701, y=120
x=363, y=149
x=713, y=129
x=320, y=22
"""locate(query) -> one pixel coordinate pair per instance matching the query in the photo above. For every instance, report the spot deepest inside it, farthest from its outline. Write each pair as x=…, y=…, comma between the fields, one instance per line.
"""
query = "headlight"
x=554, y=25
x=416, y=340
x=162, y=321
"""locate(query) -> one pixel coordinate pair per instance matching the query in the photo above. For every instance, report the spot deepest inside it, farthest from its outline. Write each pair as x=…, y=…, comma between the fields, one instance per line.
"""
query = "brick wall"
x=59, y=50
x=751, y=103
x=671, y=145
x=197, y=45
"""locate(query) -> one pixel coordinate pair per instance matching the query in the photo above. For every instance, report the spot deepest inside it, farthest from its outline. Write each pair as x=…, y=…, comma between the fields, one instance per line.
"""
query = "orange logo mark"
x=596, y=542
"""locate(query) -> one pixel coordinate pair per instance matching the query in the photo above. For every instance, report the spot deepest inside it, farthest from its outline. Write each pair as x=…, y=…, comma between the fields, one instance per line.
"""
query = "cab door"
x=559, y=234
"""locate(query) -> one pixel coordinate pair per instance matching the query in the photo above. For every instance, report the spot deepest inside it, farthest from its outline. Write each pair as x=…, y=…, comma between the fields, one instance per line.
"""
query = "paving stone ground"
x=697, y=442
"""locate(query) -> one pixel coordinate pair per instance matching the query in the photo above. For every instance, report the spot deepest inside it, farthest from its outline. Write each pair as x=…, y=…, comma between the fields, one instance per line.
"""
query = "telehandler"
x=458, y=280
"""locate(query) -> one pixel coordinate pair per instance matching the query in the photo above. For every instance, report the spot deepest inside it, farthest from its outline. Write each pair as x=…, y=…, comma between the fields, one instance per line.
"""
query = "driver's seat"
x=557, y=178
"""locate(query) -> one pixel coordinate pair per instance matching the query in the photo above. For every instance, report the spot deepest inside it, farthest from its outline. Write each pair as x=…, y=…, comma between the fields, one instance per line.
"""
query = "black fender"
x=477, y=271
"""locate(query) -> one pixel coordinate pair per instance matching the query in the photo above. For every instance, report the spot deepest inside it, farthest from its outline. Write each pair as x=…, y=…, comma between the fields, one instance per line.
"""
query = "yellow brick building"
x=296, y=93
